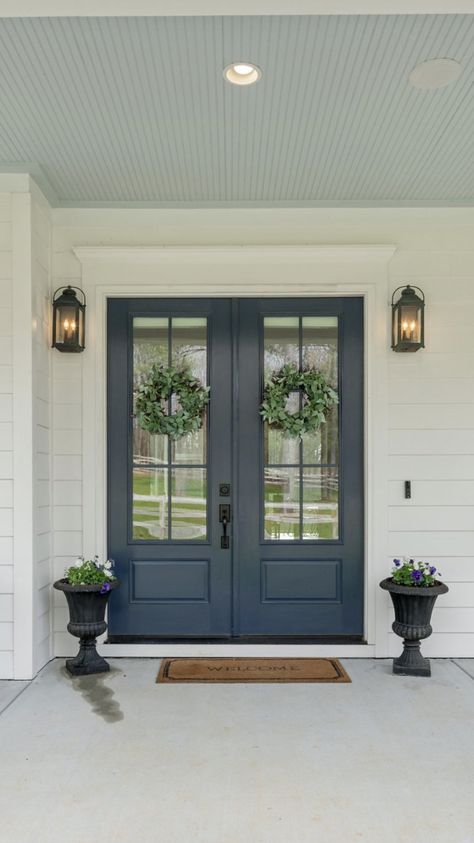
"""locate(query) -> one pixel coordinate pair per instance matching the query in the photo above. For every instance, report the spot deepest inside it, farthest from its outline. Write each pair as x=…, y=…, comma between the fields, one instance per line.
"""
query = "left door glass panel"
x=150, y=347
x=150, y=504
x=169, y=489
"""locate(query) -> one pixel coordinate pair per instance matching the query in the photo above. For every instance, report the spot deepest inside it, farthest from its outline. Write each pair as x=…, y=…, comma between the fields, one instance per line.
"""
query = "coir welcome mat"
x=252, y=670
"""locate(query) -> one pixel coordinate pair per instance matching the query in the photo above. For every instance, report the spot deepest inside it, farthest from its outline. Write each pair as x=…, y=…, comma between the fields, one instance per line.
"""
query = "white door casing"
x=245, y=271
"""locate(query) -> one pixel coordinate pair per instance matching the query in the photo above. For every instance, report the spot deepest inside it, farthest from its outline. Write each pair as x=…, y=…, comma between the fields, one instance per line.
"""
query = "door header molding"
x=156, y=255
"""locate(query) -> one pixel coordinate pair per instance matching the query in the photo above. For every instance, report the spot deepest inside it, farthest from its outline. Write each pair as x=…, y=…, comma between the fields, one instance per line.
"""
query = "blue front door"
x=293, y=563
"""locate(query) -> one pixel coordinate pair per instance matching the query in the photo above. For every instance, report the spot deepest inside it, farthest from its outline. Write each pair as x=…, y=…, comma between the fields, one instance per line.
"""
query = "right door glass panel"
x=282, y=503
x=301, y=475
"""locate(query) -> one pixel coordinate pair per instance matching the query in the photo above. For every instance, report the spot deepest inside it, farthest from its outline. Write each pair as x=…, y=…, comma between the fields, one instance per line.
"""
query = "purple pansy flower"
x=416, y=575
x=397, y=563
x=432, y=570
x=105, y=588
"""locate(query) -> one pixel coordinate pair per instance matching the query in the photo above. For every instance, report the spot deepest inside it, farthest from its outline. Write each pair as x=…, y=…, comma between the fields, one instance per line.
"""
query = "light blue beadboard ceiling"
x=135, y=110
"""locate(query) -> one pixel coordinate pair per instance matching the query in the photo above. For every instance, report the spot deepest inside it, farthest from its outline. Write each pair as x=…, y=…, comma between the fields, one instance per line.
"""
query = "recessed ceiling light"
x=435, y=73
x=242, y=73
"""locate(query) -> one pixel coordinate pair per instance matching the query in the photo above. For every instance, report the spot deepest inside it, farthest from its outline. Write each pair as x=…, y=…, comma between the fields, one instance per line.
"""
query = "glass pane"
x=281, y=340
x=322, y=446
x=320, y=345
x=280, y=449
x=189, y=345
x=330, y=438
x=149, y=448
x=189, y=503
x=320, y=336
x=150, y=346
x=282, y=503
x=192, y=447
x=312, y=446
x=150, y=504
x=320, y=504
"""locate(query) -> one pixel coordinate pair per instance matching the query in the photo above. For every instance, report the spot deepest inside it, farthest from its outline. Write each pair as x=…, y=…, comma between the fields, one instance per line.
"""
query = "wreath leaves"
x=319, y=397
x=153, y=399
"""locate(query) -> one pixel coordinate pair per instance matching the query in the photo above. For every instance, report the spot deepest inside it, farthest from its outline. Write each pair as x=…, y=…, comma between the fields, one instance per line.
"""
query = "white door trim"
x=238, y=272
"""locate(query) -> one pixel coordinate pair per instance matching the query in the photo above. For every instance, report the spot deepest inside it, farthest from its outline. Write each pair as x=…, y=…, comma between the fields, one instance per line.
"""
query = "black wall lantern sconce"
x=408, y=319
x=69, y=317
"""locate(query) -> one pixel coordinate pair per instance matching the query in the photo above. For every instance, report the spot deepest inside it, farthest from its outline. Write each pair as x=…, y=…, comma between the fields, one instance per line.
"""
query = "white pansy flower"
x=108, y=564
x=415, y=565
x=79, y=561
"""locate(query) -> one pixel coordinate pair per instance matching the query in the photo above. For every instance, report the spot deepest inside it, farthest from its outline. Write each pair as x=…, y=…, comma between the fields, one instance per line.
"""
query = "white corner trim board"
x=245, y=271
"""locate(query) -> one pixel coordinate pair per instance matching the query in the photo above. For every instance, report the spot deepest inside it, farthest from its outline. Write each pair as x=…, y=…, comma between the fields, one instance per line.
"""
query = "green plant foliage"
x=90, y=572
x=318, y=398
x=412, y=573
x=153, y=400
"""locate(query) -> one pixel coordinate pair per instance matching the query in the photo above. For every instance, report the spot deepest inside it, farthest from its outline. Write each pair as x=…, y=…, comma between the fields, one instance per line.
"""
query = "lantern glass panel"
x=82, y=338
x=410, y=323
x=67, y=324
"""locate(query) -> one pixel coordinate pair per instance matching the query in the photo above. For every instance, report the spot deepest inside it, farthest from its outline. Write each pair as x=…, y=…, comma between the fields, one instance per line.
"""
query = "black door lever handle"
x=224, y=519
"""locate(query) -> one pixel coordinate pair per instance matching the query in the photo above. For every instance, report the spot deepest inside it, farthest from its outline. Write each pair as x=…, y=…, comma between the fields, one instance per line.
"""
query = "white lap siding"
x=431, y=440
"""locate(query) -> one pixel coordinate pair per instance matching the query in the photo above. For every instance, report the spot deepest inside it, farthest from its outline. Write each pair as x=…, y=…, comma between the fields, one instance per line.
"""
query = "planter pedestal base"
x=87, y=660
x=411, y=662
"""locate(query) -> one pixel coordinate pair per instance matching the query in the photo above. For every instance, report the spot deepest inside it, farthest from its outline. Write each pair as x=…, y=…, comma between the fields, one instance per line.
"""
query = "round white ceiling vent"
x=435, y=73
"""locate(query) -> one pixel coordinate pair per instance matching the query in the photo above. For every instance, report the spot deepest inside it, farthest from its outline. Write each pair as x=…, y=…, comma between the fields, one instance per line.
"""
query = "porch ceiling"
x=135, y=110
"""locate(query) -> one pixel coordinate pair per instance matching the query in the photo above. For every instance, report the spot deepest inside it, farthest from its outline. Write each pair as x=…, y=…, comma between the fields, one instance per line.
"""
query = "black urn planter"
x=86, y=621
x=413, y=607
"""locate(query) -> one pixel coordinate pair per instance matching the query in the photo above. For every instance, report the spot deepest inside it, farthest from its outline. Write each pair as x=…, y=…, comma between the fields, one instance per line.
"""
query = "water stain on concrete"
x=98, y=694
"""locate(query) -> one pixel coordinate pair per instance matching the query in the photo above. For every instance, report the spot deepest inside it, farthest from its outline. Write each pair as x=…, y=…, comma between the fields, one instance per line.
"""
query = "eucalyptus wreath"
x=318, y=398
x=154, y=394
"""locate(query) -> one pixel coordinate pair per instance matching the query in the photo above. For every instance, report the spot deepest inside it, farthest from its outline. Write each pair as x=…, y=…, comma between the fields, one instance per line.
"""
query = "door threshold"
x=247, y=639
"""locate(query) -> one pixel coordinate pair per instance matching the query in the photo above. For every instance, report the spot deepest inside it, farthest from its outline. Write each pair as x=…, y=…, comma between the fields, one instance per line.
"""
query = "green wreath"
x=318, y=395
x=153, y=397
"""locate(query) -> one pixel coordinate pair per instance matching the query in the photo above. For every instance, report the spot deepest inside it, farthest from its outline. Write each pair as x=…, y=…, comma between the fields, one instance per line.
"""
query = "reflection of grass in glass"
x=142, y=534
x=185, y=513
x=310, y=495
x=143, y=484
x=282, y=513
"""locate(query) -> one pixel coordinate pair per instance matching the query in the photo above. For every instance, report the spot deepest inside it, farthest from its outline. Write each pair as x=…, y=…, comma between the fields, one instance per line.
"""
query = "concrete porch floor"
x=119, y=758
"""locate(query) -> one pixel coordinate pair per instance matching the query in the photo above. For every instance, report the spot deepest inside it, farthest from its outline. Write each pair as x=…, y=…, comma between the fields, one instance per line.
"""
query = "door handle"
x=224, y=519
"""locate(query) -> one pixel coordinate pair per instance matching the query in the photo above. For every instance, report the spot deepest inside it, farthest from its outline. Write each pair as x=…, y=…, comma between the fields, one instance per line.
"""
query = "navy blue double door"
x=289, y=560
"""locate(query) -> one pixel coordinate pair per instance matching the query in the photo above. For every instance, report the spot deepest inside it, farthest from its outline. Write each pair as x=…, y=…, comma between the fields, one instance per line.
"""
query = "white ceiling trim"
x=177, y=8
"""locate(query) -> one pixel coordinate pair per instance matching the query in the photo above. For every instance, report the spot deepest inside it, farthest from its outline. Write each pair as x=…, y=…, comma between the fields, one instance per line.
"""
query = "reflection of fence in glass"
x=153, y=497
x=289, y=515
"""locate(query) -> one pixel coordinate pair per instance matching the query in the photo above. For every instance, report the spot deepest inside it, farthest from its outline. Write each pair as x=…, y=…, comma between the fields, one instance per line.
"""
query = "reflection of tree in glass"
x=192, y=357
x=320, y=352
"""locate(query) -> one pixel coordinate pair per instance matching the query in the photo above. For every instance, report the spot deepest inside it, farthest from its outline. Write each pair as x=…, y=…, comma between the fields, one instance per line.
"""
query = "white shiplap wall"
x=432, y=442
x=41, y=412
x=431, y=393
x=6, y=441
x=67, y=473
